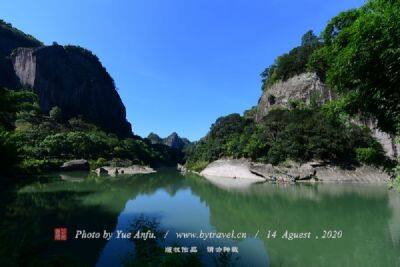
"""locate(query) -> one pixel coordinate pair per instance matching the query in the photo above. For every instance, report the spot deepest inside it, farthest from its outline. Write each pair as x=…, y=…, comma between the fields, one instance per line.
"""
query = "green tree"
x=309, y=39
x=55, y=114
x=338, y=23
x=362, y=58
x=292, y=63
x=11, y=103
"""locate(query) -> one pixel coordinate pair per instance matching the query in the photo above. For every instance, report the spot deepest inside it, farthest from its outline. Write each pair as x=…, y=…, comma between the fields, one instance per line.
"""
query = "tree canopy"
x=361, y=59
x=292, y=63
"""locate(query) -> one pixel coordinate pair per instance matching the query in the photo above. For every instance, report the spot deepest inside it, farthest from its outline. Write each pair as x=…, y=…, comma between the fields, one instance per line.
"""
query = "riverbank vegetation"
x=32, y=142
x=357, y=56
x=360, y=60
x=299, y=134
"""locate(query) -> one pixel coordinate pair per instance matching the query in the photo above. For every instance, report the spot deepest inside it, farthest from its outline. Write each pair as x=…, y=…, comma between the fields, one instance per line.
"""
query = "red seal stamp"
x=60, y=234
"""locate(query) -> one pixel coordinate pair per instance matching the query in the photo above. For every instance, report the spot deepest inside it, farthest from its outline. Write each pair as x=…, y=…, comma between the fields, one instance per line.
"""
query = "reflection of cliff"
x=368, y=217
x=27, y=229
x=360, y=212
x=93, y=204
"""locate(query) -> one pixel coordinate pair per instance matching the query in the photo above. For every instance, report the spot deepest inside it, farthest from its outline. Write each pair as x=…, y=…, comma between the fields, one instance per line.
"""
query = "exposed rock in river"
x=75, y=165
x=231, y=168
x=292, y=172
x=134, y=169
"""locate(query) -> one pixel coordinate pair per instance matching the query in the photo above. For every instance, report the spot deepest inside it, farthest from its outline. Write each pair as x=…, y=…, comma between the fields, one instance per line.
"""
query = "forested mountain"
x=68, y=77
x=316, y=97
x=59, y=103
x=173, y=140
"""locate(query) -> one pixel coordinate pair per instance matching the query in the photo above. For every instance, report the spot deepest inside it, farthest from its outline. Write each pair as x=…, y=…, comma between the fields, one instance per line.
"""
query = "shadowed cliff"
x=69, y=77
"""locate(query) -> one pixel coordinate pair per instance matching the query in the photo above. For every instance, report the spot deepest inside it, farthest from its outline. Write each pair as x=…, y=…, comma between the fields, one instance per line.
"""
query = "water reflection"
x=368, y=215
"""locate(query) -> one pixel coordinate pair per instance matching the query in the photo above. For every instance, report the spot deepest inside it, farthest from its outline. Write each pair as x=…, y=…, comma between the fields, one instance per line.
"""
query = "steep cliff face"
x=387, y=141
x=69, y=77
x=303, y=88
x=8, y=79
x=10, y=39
x=73, y=79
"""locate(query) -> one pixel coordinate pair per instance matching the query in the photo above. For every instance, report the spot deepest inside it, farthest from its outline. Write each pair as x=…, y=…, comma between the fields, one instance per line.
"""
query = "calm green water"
x=368, y=217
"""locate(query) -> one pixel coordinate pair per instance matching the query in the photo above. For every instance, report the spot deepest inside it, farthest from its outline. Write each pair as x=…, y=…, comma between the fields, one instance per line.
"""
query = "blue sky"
x=178, y=64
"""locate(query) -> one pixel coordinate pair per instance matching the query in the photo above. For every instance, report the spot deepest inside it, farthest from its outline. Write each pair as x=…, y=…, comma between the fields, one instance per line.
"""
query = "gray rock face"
x=75, y=165
x=290, y=173
x=181, y=168
x=294, y=172
x=73, y=79
x=10, y=39
x=69, y=77
x=231, y=168
x=303, y=88
x=300, y=87
x=387, y=141
x=101, y=171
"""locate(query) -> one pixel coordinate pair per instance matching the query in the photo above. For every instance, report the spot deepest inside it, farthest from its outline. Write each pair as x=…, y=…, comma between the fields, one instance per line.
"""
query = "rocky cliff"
x=305, y=88
x=73, y=79
x=10, y=39
x=69, y=77
x=173, y=140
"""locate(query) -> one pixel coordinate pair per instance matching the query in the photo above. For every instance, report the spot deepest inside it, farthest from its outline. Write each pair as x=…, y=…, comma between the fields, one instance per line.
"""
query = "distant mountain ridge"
x=173, y=140
x=69, y=77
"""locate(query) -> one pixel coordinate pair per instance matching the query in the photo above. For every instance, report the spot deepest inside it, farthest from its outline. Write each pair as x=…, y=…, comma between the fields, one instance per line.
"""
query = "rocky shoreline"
x=293, y=172
x=83, y=165
x=114, y=171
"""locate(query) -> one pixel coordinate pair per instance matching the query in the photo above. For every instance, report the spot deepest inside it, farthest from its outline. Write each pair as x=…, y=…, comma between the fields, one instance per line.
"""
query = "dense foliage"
x=300, y=134
x=32, y=142
x=11, y=104
x=361, y=58
x=358, y=56
x=292, y=63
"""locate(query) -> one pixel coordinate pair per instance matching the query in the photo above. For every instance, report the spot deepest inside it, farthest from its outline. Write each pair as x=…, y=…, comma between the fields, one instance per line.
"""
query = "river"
x=339, y=224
